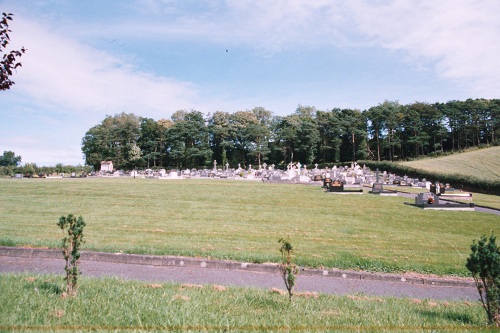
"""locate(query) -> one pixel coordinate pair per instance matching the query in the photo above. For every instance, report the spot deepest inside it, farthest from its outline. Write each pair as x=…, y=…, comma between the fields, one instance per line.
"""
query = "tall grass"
x=479, y=163
x=35, y=303
x=242, y=221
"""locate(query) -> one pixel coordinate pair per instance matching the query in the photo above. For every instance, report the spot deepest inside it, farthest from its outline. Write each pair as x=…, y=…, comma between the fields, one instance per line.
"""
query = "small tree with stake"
x=71, y=249
x=287, y=268
x=484, y=264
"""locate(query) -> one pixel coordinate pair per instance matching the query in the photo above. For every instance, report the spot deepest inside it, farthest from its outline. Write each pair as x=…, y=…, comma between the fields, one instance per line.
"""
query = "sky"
x=89, y=59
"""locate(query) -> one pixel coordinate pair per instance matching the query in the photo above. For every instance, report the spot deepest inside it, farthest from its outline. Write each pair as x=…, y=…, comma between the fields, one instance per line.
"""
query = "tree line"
x=389, y=131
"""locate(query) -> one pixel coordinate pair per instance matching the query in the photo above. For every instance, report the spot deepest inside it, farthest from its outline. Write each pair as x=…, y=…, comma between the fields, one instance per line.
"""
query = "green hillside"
x=479, y=163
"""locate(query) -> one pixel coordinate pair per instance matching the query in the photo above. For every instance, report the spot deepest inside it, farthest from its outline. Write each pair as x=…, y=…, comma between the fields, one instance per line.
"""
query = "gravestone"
x=327, y=182
x=336, y=186
x=426, y=199
x=377, y=186
x=442, y=189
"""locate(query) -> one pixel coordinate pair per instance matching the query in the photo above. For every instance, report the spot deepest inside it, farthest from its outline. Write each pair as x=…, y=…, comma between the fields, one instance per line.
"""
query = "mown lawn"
x=35, y=303
x=242, y=221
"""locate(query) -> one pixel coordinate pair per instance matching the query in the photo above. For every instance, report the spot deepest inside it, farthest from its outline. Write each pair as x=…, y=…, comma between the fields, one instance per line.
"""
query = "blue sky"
x=88, y=59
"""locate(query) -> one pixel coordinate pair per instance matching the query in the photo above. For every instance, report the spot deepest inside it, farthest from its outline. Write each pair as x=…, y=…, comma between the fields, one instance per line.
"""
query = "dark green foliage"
x=71, y=249
x=9, y=158
x=287, y=267
x=389, y=131
x=8, y=62
x=484, y=264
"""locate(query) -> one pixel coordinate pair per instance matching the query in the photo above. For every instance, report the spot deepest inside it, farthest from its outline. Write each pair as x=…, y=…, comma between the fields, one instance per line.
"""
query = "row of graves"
x=336, y=180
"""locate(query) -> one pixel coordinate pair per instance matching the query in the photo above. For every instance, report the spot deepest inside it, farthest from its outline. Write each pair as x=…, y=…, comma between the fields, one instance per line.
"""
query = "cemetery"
x=348, y=179
x=238, y=214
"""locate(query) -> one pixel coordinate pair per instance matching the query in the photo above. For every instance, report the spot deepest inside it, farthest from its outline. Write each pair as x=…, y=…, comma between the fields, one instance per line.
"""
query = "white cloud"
x=459, y=39
x=61, y=71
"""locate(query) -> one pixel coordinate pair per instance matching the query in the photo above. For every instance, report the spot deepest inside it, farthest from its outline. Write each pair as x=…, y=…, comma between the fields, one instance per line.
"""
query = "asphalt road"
x=306, y=281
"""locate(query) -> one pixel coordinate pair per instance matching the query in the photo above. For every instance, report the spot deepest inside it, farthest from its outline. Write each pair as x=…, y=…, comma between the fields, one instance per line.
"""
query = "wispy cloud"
x=61, y=71
x=459, y=40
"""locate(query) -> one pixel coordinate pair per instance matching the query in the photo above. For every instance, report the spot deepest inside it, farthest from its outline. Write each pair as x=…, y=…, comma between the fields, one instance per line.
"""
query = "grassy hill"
x=478, y=163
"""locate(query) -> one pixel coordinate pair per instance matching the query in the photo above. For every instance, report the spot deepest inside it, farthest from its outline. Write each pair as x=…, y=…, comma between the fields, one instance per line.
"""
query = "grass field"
x=242, y=221
x=479, y=163
x=35, y=303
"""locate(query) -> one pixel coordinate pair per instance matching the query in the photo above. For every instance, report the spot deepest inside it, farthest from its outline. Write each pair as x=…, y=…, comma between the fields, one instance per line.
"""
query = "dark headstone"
x=377, y=188
x=336, y=186
x=327, y=182
x=432, y=188
x=426, y=199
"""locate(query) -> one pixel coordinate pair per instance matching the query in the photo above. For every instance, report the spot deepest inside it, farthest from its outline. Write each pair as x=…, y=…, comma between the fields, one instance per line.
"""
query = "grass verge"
x=35, y=303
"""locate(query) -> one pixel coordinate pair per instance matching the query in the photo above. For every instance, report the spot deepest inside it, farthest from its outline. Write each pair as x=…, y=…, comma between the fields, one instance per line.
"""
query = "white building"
x=106, y=166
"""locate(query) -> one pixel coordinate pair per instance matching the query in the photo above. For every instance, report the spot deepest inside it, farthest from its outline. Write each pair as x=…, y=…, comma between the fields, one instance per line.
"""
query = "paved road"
x=259, y=277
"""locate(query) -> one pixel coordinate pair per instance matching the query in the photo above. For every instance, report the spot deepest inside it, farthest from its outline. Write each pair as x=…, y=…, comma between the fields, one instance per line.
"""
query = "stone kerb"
x=229, y=265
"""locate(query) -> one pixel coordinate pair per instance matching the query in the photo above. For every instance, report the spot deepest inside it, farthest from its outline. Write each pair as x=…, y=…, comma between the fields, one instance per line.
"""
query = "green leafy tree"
x=9, y=61
x=287, y=268
x=149, y=143
x=308, y=135
x=9, y=158
x=71, y=243
x=484, y=264
x=330, y=135
x=354, y=134
x=219, y=126
x=189, y=140
x=112, y=140
x=243, y=125
x=261, y=134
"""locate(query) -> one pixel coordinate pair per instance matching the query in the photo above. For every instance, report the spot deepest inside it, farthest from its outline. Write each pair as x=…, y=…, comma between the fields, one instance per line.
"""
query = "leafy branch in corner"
x=8, y=62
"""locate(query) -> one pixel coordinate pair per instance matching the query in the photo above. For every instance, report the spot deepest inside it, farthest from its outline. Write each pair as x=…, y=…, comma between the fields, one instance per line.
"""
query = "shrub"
x=71, y=249
x=287, y=268
x=484, y=264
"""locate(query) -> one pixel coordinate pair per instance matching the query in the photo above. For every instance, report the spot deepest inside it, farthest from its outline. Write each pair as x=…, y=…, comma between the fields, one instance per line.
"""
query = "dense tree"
x=354, y=134
x=388, y=131
x=261, y=135
x=149, y=143
x=330, y=135
x=9, y=61
x=243, y=125
x=9, y=158
x=219, y=126
x=114, y=139
x=188, y=140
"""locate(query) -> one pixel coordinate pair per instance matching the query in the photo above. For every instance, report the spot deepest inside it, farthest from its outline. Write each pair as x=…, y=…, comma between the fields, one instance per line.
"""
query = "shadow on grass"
x=45, y=286
x=461, y=318
x=51, y=287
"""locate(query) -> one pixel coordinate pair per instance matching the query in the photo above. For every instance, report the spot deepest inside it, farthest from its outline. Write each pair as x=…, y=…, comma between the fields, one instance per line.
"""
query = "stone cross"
x=376, y=176
x=316, y=165
x=227, y=166
x=215, y=165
